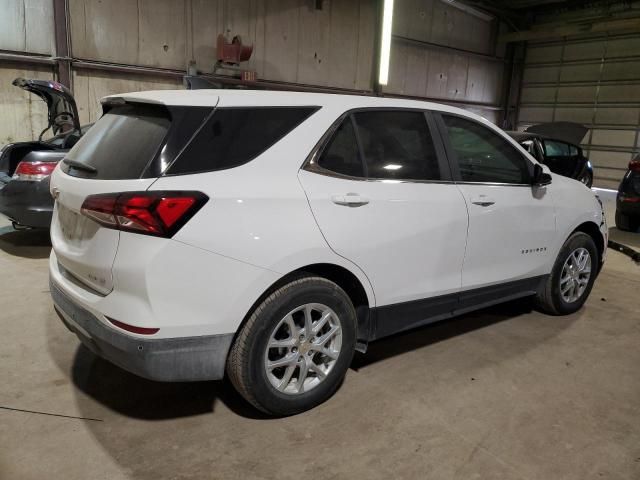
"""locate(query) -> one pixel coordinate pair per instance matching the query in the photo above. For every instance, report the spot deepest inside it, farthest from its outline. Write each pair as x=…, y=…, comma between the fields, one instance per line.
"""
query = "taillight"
x=152, y=213
x=634, y=165
x=33, y=171
x=134, y=329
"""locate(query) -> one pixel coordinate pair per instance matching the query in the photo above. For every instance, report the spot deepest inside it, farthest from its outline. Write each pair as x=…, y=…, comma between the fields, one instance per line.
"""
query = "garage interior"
x=505, y=392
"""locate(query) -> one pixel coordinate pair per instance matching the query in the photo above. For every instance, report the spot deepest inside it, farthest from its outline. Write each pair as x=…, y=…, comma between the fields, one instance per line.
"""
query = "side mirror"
x=540, y=177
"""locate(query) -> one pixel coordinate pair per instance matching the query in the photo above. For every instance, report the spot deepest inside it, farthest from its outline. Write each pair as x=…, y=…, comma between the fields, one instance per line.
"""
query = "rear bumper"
x=628, y=208
x=27, y=203
x=161, y=359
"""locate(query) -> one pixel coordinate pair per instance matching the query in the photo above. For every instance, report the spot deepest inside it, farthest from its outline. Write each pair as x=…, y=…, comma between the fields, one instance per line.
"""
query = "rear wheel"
x=295, y=348
x=572, y=277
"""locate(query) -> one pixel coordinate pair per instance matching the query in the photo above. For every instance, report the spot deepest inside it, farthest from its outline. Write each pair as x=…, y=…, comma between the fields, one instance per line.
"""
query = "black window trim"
x=312, y=110
x=188, y=142
x=453, y=160
x=310, y=164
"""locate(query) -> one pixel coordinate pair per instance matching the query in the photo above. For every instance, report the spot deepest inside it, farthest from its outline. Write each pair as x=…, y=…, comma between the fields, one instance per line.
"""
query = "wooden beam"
x=573, y=29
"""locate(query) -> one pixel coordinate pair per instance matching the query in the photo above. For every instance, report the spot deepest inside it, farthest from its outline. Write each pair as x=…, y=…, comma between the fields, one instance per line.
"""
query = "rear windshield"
x=122, y=142
x=235, y=136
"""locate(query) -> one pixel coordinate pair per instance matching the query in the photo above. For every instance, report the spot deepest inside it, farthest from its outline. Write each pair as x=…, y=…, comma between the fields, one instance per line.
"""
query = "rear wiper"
x=80, y=165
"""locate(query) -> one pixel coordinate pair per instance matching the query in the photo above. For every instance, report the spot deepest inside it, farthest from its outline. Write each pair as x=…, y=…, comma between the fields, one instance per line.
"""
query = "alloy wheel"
x=303, y=348
x=575, y=275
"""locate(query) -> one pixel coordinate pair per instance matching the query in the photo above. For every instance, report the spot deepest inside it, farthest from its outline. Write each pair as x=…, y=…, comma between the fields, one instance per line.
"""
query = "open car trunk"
x=569, y=132
x=62, y=116
x=61, y=106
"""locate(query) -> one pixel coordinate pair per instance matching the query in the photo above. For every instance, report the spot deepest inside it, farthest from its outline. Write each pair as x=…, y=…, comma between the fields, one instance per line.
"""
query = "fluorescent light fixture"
x=392, y=166
x=385, y=43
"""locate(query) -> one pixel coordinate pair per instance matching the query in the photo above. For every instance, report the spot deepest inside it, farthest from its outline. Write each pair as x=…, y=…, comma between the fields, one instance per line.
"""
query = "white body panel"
x=574, y=204
x=85, y=249
x=410, y=241
x=524, y=217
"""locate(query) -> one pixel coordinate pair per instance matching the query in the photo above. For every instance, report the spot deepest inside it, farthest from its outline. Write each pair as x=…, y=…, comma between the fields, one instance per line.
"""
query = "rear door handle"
x=349, y=200
x=483, y=201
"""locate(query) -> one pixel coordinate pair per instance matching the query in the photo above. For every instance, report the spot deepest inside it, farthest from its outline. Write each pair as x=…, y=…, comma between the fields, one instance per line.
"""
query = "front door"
x=511, y=222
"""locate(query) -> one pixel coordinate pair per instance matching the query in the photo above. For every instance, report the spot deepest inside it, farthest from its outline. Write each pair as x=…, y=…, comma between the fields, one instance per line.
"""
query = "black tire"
x=587, y=179
x=549, y=298
x=626, y=223
x=246, y=360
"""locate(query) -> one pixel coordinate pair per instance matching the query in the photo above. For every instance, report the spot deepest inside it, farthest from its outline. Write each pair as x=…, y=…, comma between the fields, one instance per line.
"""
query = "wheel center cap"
x=304, y=347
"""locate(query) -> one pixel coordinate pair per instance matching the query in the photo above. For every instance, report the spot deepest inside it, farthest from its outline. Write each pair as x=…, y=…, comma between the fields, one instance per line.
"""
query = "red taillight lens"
x=133, y=329
x=101, y=208
x=33, y=171
x=152, y=213
x=634, y=165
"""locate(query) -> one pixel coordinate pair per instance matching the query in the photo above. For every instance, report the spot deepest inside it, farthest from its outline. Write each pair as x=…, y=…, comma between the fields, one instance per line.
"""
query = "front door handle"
x=349, y=200
x=483, y=201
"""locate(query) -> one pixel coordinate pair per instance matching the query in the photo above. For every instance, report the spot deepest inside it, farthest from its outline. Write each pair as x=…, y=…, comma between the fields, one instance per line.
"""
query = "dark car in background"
x=628, y=199
x=557, y=146
x=25, y=167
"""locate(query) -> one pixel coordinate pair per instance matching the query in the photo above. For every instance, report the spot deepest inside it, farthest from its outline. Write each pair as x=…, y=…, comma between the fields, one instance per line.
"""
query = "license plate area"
x=74, y=227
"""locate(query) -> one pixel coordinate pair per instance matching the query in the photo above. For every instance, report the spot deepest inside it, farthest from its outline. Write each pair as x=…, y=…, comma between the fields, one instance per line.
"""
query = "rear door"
x=511, y=222
x=383, y=199
x=111, y=157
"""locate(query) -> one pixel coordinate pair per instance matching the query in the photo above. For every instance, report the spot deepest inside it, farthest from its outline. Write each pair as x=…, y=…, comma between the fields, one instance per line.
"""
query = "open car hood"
x=569, y=132
x=60, y=102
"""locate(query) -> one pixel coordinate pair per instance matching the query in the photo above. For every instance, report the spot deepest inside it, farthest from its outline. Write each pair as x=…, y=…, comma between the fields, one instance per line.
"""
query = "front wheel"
x=572, y=277
x=295, y=348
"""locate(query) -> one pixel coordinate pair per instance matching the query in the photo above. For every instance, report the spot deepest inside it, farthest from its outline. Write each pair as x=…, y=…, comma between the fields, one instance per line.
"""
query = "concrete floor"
x=505, y=393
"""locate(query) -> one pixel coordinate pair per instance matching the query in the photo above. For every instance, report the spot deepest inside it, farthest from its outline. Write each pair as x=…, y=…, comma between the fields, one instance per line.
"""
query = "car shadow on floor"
x=25, y=243
x=630, y=239
x=135, y=397
x=439, y=331
x=144, y=399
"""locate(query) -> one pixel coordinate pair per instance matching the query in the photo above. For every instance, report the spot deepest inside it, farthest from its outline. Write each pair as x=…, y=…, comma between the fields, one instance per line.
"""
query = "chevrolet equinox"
x=269, y=235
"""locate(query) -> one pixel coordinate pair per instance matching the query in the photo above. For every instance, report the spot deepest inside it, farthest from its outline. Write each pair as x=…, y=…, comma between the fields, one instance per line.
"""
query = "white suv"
x=271, y=234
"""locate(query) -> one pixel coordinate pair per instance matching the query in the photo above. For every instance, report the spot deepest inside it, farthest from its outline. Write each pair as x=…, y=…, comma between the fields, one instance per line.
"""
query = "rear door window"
x=122, y=142
x=235, y=136
x=553, y=148
x=341, y=154
x=397, y=145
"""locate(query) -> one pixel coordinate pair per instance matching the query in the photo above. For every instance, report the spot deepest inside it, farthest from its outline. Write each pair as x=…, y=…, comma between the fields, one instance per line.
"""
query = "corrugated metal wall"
x=439, y=51
x=467, y=69
x=22, y=114
x=293, y=42
x=592, y=80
